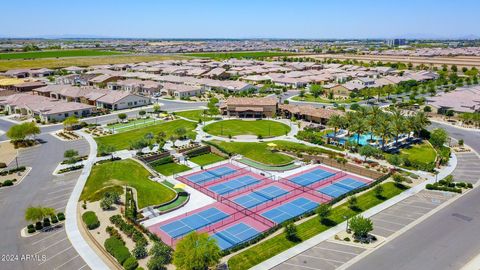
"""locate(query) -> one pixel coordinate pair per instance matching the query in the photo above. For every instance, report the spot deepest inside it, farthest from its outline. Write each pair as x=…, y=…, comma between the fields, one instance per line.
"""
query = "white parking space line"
x=56, y=197
x=335, y=250
x=66, y=262
x=51, y=245
x=60, y=190
x=302, y=266
x=386, y=221
x=416, y=206
x=82, y=267
x=48, y=236
x=330, y=260
x=55, y=255
x=57, y=202
x=405, y=211
x=383, y=228
x=382, y=213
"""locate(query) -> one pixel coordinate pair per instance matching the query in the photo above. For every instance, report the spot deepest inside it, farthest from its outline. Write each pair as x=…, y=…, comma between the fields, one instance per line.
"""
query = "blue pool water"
x=363, y=140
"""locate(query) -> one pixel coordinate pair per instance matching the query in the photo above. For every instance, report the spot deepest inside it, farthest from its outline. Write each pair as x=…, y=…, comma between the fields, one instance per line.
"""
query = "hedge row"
x=90, y=219
x=7, y=183
x=69, y=169
x=129, y=229
x=162, y=161
x=14, y=170
x=117, y=249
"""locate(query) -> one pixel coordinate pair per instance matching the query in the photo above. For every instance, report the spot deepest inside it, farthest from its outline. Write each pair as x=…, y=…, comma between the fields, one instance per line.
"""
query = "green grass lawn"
x=126, y=172
x=238, y=55
x=256, y=151
x=194, y=115
x=171, y=168
x=206, y=159
x=420, y=153
x=266, y=128
x=56, y=53
x=134, y=124
x=321, y=99
x=123, y=140
x=275, y=245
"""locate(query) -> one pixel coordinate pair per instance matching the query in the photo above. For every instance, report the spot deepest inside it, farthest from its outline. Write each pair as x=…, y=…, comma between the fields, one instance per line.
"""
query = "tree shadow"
x=355, y=208
x=381, y=197
x=294, y=238
x=328, y=222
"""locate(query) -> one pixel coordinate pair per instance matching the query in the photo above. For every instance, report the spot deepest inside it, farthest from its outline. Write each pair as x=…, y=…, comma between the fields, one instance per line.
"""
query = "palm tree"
x=383, y=129
x=421, y=121
x=398, y=123
x=359, y=126
x=372, y=119
x=336, y=121
x=349, y=119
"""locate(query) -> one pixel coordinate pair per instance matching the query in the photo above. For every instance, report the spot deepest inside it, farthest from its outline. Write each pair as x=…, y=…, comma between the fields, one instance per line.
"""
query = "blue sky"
x=241, y=19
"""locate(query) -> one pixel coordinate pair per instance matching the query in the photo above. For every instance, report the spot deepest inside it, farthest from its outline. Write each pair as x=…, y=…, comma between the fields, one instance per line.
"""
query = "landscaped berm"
x=115, y=175
x=264, y=128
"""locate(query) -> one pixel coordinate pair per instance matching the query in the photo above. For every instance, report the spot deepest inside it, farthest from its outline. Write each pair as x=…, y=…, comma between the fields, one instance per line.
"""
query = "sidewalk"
x=310, y=243
x=71, y=223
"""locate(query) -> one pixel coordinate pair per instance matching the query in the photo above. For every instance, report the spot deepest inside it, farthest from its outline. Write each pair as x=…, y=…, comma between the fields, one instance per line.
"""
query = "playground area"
x=250, y=202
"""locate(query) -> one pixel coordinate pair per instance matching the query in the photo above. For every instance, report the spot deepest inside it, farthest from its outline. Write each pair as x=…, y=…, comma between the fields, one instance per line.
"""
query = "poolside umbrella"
x=271, y=145
x=180, y=185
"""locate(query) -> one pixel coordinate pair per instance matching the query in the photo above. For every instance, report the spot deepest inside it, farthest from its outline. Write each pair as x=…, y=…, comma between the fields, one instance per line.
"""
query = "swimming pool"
x=362, y=138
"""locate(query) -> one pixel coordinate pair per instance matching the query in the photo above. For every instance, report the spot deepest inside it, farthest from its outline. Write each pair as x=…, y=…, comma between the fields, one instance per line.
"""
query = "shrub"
x=7, y=183
x=469, y=185
x=346, y=239
x=117, y=249
x=61, y=216
x=31, y=230
x=30, y=226
x=90, y=219
x=140, y=252
x=46, y=222
x=38, y=225
x=54, y=219
x=130, y=264
x=3, y=165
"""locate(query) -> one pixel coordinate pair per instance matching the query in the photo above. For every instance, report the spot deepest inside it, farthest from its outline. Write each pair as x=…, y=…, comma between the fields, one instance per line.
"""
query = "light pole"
x=345, y=217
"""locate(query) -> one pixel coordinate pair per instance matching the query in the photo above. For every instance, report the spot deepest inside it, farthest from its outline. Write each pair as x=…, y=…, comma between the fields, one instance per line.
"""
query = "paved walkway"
x=71, y=224
x=310, y=243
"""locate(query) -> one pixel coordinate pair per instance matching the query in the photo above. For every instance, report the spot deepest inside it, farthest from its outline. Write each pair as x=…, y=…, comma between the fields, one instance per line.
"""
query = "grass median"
x=277, y=244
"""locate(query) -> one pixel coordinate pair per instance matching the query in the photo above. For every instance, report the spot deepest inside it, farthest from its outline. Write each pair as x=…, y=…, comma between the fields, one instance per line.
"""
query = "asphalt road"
x=447, y=240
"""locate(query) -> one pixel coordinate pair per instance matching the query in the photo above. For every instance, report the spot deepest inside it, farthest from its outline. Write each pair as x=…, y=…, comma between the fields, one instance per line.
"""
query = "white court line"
x=47, y=247
x=66, y=262
x=334, y=250
x=46, y=237
x=55, y=255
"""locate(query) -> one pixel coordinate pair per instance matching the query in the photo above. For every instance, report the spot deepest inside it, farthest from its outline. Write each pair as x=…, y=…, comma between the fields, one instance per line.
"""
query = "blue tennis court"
x=290, y=210
x=210, y=175
x=234, y=184
x=341, y=187
x=234, y=235
x=311, y=177
x=350, y=183
x=196, y=221
x=260, y=196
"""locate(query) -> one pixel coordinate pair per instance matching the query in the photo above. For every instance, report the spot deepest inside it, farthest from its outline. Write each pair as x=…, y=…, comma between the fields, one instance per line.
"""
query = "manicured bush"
x=7, y=183
x=54, y=219
x=117, y=249
x=61, y=216
x=46, y=222
x=31, y=230
x=38, y=225
x=130, y=263
x=91, y=220
x=469, y=185
x=30, y=226
x=3, y=165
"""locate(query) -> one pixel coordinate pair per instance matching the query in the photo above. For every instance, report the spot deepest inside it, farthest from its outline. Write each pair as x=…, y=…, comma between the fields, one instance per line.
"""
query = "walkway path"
x=71, y=224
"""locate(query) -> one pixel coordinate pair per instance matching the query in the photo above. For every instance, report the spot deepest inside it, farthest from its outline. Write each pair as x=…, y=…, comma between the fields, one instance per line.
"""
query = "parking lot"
x=46, y=250
x=468, y=168
x=331, y=254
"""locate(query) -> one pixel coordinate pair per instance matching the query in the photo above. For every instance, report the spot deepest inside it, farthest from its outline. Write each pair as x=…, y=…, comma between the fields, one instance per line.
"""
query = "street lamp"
x=345, y=217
